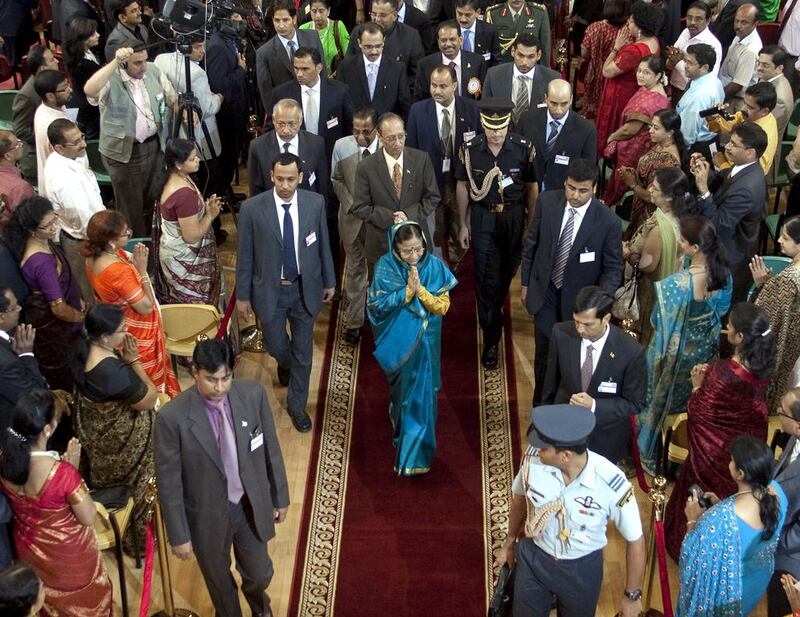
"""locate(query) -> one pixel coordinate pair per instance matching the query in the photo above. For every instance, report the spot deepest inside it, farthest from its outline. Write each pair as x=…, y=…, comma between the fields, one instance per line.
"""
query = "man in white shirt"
x=738, y=70
x=789, y=39
x=698, y=18
x=73, y=189
x=55, y=90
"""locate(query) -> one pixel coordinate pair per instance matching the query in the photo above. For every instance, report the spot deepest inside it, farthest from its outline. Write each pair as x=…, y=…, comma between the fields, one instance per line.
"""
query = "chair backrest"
x=93, y=153
x=768, y=33
x=184, y=322
x=6, y=71
x=776, y=263
x=6, y=103
x=794, y=120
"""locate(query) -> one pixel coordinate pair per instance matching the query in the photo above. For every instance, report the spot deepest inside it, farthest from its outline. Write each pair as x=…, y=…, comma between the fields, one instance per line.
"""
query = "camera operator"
x=759, y=101
x=227, y=74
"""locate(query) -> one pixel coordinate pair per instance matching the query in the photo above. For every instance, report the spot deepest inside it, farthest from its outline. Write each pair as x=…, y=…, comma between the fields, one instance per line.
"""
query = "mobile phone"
x=703, y=502
x=713, y=147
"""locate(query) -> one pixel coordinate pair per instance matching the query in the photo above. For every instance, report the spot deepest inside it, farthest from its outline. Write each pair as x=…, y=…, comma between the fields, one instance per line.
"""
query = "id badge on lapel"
x=256, y=439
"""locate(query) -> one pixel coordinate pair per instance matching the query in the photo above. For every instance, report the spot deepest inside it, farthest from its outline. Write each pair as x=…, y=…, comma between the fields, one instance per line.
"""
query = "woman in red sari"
x=53, y=512
x=634, y=41
x=729, y=399
x=118, y=277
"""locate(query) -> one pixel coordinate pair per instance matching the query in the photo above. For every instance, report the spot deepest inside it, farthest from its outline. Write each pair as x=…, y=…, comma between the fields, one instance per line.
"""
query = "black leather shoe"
x=301, y=420
x=283, y=375
x=352, y=335
x=489, y=357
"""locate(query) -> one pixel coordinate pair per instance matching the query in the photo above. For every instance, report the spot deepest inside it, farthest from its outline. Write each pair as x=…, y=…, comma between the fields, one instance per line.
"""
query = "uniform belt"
x=500, y=206
x=288, y=283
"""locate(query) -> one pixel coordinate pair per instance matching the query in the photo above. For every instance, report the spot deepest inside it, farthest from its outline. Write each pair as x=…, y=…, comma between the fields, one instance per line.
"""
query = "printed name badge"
x=587, y=257
x=312, y=178
x=445, y=165
x=311, y=238
x=607, y=387
x=487, y=55
x=256, y=442
x=508, y=181
x=562, y=160
x=469, y=135
x=332, y=122
x=541, y=105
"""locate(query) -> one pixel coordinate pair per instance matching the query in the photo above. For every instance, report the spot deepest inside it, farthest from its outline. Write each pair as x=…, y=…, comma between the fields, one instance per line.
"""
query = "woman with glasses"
x=115, y=409
x=81, y=63
x=408, y=296
x=729, y=398
x=119, y=277
x=54, y=306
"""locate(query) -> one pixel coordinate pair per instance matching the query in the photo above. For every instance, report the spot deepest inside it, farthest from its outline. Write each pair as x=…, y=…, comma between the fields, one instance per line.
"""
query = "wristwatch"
x=634, y=595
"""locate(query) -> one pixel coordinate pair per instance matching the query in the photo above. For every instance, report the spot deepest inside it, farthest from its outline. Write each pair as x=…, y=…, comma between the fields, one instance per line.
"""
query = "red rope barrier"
x=223, y=325
x=147, y=575
x=663, y=574
x=637, y=460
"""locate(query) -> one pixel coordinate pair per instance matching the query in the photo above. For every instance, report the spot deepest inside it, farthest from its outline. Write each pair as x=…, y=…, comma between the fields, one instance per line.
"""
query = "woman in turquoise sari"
x=686, y=321
x=728, y=554
x=407, y=298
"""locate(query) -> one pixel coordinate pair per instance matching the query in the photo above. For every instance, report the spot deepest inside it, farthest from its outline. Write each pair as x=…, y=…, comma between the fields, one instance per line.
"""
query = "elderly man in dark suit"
x=573, y=241
x=558, y=134
x=470, y=67
x=787, y=474
x=274, y=58
x=594, y=364
x=221, y=479
x=284, y=272
x=439, y=126
x=373, y=77
x=523, y=81
x=395, y=181
x=129, y=31
x=287, y=116
x=737, y=203
x=477, y=35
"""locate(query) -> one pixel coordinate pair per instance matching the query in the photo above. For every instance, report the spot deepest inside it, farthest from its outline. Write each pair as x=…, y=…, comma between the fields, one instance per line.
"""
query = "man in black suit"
x=227, y=75
x=737, y=204
x=573, y=241
x=524, y=81
x=373, y=77
x=558, y=134
x=274, y=58
x=477, y=35
x=129, y=31
x=439, y=126
x=412, y=17
x=469, y=67
x=287, y=116
x=594, y=364
x=402, y=42
x=19, y=372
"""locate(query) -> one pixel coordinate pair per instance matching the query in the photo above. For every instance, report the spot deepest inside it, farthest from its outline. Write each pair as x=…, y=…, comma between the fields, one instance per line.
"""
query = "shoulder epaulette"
x=538, y=6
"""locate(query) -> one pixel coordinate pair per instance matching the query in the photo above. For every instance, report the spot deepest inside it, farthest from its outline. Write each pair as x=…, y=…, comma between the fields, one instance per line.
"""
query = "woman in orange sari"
x=118, y=277
x=53, y=512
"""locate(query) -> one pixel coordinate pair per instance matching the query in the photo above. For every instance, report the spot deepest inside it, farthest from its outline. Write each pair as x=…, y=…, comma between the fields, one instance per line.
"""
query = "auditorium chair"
x=6, y=113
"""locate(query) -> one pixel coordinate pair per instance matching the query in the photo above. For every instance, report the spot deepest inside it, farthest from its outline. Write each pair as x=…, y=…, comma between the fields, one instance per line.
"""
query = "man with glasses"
x=72, y=188
x=375, y=79
x=396, y=182
x=704, y=91
x=12, y=186
x=55, y=90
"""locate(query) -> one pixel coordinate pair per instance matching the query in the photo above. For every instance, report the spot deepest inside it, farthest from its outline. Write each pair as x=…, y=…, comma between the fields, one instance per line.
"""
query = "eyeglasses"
x=67, y=89
x=286, y=125
x=393, y=139
x=75, y=144
x=126, y=234
x=376, y=15
x=49, y=225
x=785, y=415
x=372, y=47
x=13, y=309
x=414, y=250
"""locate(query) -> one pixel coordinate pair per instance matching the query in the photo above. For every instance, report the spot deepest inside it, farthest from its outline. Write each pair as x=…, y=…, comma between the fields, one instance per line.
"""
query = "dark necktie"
x=522, y=99
x=289, y=259
x=286, y=147
x=551, y=140
x=292, y=48
x=365, y=154
x=586, y=369
x=562, y=250
x=446, y=135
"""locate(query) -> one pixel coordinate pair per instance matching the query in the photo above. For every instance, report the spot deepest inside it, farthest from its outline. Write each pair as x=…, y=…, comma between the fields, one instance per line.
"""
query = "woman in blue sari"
x=728, y=554
x=686, y=321
x=407, y=298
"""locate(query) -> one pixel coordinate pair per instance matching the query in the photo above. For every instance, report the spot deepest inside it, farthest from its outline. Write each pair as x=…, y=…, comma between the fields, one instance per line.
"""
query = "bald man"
x=287, y=118
x=738, y=70
x=558, y=134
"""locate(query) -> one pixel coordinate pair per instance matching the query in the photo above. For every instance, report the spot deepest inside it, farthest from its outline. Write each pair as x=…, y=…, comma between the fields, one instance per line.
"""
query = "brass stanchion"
x=253, y=338
x=658, y=500
x=163, y=557
x=561, y=56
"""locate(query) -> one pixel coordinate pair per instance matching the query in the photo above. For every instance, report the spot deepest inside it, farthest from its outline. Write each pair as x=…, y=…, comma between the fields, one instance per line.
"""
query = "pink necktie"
x=142, y=129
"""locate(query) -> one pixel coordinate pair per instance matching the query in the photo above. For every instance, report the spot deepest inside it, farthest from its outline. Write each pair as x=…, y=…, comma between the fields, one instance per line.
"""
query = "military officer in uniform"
x=497, y=185
x=512, y=18
x=572, y=493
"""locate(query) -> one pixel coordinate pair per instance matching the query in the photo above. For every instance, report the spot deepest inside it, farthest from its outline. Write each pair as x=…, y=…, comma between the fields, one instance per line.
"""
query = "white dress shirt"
x=678, y=77
x=737, y=168
x=515, y=84
x=597, y=350
x=294, y=212
x=580, y=213
x=294, y=145
x=42, y=119
x=401, y=14
x=790, y=37
x=72, y=188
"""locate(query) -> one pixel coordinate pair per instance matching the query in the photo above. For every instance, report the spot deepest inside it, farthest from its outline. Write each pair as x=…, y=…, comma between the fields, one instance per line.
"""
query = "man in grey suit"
x=221, y=479
x=274, y=58
x=523, y=81
x=129, y=31
x=408, y=190
x=787, y=474
x=284, y=272
x=348, y=152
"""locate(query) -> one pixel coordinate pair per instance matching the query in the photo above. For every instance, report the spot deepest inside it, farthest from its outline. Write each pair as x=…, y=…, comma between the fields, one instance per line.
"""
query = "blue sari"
x=685, y=333
x=725, y=565
x=408, y=349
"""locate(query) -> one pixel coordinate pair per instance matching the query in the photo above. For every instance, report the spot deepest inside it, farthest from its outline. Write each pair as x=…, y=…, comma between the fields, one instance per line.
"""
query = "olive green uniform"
x=532, y=19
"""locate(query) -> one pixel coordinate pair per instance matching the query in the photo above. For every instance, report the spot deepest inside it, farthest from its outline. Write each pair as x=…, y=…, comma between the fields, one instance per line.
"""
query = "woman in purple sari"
x=54, y=306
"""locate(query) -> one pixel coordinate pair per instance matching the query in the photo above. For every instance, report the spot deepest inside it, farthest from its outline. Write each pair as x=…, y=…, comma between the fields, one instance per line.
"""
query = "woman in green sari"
x=686, y=322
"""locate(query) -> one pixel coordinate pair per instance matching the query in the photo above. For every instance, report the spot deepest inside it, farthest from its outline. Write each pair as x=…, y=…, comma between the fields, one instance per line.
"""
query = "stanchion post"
x=658, y=502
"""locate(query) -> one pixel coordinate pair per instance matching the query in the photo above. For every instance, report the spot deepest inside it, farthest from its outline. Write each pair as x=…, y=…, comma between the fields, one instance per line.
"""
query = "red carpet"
x=373, y=543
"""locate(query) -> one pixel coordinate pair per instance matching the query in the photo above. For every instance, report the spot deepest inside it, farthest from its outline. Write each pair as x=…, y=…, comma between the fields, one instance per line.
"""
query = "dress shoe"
x=283, y=375
x=489, y=357
x=352, y=335
x=301, y=420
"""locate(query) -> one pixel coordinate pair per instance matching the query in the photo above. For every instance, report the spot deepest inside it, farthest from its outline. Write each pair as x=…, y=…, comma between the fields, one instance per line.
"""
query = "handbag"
x=626, y=299
x=339, y=51
x=503, y=596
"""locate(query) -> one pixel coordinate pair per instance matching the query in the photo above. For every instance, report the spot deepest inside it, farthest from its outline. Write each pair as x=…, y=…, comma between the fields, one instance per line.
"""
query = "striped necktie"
x=521, y=100
x=563, y=249
x=551, y=140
